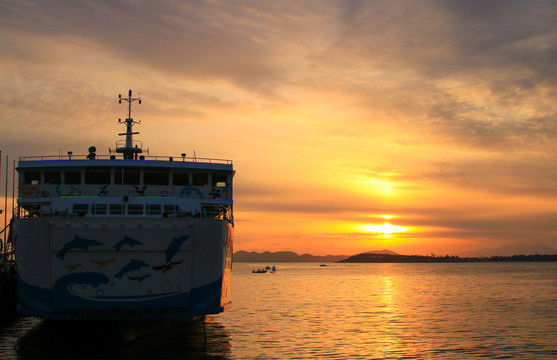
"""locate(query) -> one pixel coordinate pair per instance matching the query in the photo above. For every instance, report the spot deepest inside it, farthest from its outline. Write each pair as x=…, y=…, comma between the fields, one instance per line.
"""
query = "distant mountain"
x=283, y=256
x=383, y=252
x=510, y=250
x=371, y=257
x=387, y=258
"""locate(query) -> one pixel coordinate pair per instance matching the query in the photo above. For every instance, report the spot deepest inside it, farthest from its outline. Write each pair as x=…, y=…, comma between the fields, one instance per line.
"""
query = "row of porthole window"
x=124, y=177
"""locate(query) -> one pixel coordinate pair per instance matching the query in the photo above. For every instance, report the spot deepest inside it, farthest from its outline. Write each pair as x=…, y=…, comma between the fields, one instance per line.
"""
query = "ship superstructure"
x=123, y=236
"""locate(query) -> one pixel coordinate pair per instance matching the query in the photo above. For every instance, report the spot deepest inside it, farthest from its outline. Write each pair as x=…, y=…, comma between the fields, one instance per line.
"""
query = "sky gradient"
x=438, y=118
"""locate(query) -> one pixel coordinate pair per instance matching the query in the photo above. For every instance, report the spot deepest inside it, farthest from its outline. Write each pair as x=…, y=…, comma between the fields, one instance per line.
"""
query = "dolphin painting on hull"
x=77, y=243
x=126, y=241
x=132, y=266
x=174, y=246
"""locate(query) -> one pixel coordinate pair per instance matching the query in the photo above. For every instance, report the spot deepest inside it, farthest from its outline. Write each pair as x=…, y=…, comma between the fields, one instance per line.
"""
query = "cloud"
x=210, y=40
x=429, y=110
x=483, y=81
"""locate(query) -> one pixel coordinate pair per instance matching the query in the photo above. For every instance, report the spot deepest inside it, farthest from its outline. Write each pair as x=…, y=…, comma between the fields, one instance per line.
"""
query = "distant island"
x=389, y=258
x=379, y=256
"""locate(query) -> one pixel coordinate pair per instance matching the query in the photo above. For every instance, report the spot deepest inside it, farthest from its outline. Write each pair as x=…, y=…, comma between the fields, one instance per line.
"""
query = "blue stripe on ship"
x=37, y=301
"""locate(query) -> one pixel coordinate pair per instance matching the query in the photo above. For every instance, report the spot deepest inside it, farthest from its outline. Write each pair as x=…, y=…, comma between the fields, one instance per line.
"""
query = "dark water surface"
x=344, y=311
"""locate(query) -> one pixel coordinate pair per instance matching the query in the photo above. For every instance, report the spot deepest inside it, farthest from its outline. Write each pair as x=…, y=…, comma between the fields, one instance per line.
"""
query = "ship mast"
x=130, y=149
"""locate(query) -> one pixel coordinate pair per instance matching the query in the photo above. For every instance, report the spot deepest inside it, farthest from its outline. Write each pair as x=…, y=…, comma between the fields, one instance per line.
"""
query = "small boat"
x=259, y=271
x=323, y=265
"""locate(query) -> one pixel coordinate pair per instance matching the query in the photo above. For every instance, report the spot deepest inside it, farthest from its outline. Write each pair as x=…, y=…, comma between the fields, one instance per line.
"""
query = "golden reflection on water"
x=388, y=339
x=350, y=311
x=365, y=311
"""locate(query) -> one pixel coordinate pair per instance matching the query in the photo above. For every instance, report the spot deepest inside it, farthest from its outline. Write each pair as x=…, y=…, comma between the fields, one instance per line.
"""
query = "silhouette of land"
x=388, y=258
x=379, y=256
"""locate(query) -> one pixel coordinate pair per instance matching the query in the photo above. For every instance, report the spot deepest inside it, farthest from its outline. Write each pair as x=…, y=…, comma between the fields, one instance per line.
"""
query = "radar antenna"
x=129, y=147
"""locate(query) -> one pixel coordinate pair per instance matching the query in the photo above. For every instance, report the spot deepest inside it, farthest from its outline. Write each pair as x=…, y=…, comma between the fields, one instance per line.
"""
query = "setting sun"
x=337, y=140
x=385, y=229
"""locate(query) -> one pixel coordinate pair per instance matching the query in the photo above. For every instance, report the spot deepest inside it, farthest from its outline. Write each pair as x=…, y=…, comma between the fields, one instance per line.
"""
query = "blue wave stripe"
x=58, y=303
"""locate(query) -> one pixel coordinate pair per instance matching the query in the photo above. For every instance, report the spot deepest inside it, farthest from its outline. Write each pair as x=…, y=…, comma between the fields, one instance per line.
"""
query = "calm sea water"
x=346, y=311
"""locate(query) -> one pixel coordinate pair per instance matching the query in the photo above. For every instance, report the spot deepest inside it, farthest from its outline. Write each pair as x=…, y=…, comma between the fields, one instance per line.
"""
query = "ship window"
x=153, y=209
x=129, y=177
x=200, y=179
x=98, y=209
x=118, y=177
x=181, y=179
x=170, y=209
x=72, y=177
x=97, y=177
x=116, y=209
x=219, y=180
x=155, y=178
x=135, y=209
x=32, y=177
x=52, y=177
x=80, y=209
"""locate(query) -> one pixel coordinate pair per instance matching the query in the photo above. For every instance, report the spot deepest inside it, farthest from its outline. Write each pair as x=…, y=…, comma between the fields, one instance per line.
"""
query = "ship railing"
x=136, y=144
x=214, y=212
x=193, y=159
x=6, y=244
x=20, y=212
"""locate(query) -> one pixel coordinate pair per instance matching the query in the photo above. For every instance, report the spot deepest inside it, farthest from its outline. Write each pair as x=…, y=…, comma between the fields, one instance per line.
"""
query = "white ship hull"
x=106, y=268
x=131, y=241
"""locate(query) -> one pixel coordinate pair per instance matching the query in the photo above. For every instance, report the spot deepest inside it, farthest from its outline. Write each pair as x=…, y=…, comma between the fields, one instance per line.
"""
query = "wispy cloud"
x=441, y=112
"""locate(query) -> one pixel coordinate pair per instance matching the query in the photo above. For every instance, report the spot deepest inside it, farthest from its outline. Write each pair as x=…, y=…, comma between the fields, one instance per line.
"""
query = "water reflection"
x=198, y=340
x=346, y=311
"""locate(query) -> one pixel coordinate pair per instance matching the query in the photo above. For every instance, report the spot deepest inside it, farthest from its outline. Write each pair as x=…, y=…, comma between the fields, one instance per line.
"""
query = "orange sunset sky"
x=437, y=118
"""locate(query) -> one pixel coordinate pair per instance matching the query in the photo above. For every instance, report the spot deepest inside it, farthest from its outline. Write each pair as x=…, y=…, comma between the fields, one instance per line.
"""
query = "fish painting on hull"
x=132, y=266
x=77, y=243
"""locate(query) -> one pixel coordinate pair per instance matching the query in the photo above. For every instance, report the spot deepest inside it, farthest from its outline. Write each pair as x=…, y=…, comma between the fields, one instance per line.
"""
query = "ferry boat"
x=124, y=236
